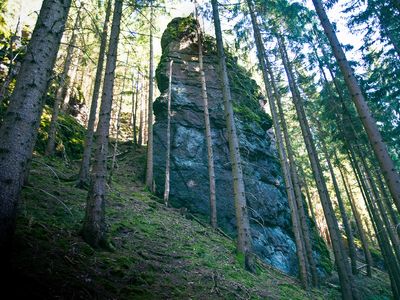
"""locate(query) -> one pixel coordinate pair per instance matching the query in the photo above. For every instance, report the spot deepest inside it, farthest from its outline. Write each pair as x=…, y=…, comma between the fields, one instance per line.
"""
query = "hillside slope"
x=160, y=253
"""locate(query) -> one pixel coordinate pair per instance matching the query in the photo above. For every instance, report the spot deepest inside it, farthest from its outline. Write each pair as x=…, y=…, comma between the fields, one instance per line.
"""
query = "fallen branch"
x=52, y=196
x=362, y=266
x=47, y=166
x=333, y=286
x=223, y=233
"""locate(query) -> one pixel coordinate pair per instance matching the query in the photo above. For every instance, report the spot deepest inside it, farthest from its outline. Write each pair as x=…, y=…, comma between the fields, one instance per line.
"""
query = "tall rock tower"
x=265, y=191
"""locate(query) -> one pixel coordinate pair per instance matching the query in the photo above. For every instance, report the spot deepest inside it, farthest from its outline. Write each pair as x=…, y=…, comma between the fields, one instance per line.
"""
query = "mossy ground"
x=160, y=252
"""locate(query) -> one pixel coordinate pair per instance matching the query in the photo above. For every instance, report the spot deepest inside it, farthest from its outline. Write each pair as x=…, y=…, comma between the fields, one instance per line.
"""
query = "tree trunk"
x=149, y=165
x=387, y=166
x=168, y=154
x=342, y=209
x=135, y=100
x=140, y=137
x=210, y=155
x=12, y=73
x=383, y=241
x=384, y=244
x=21, y=122
x=346, y=280
x=377, y=201
x=308, y=196
x=295, y=179
x=295, y=210
x=93, y=230
x=387, y=200
x=85, y=164
x=62, y=90
x=363, y=238
x=70, y=83
x=244, y=242
x=118, y=126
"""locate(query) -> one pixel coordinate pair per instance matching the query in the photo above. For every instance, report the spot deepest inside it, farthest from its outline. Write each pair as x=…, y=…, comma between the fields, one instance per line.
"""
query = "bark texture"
x=85, y=164
x=244, y=245
x=94, y=229
x=386, y=164
x=62, y=90
x=210, y=155
x=149, y=165
x=297, y=230
x=19, y=129
x=346, y=281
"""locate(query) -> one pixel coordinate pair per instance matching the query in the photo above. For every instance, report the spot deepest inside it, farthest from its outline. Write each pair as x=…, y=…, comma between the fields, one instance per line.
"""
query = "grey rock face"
x=265, y=193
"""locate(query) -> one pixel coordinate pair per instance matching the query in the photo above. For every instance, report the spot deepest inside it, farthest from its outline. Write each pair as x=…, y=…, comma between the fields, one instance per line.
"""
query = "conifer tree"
x=149, y=166
x=300, y=242
x=87, y=151
x=386, y=163
x=346, y=281
x=244, y=241
x=19, y=129
x=94, y=230
x=210, y=155
x=62, y=89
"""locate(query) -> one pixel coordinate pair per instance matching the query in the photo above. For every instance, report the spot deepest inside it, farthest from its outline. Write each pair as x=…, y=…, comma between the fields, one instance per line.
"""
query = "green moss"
x=241, y=259
x=245, y=91
x=178, y=28
x=69, y=137
x=159, y=253
x=319, y=245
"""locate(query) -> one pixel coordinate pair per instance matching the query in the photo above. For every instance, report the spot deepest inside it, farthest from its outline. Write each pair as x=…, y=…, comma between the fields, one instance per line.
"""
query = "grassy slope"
x=160, y=253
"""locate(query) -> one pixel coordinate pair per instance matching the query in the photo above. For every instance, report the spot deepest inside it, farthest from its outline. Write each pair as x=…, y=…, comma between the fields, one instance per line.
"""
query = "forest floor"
x=160, y=252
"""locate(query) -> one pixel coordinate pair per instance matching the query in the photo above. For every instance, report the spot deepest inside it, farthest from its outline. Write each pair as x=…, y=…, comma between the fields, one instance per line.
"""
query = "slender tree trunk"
x=384, y=243
x=149, y=165
x=387, y=166
x=380, y=232
x=135, y=100
x=308, y=196
x=363, y=238
x=244, y=241
x=295, y=210
x=93, y=230
x=387, y=200
x=377, y=201
x=69, y=87
x=346, y=280
x=118, y=126
x=293, y=173
x=21, y=122
x=168, y=154
x=342, y=209
x=210, y=155
x=85, y=164
x=12, y=73
x=146, y=118
x=61, y=91
x=140, y=137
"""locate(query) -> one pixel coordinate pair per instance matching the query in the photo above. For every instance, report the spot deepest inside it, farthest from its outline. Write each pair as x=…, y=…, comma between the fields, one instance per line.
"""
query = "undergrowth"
x=160, y=252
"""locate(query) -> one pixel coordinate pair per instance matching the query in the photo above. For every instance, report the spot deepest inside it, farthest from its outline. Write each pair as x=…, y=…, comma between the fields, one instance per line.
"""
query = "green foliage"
x=319, y=245
x=70, y=135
